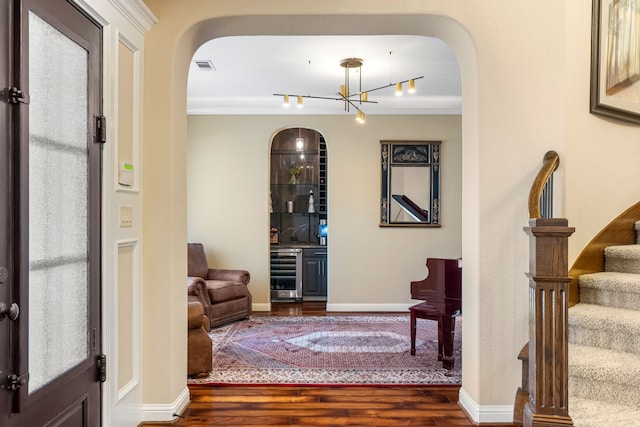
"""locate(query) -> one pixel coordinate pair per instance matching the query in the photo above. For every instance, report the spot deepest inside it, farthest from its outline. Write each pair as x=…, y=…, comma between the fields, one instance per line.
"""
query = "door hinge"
x=102, y=367
x=15, y=381
x=101, y=129
x=16, y=96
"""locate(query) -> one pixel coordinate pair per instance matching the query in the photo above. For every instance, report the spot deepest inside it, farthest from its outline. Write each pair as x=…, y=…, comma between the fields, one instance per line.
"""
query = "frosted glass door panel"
x=58, y=203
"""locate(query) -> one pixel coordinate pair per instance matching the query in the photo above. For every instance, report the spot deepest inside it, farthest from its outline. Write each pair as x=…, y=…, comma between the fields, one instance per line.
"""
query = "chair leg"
x=448, y=331
x=413, y=333
x=440, y=339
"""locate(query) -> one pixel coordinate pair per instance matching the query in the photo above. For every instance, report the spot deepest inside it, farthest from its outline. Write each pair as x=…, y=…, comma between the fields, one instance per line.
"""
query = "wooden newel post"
x=548, y=337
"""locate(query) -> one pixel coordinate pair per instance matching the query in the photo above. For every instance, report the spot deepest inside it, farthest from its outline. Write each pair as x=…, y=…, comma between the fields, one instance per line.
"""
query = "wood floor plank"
x=367, y=391
x=364, y=421
x=229, y=406
x=385, y=398
x=257, y=399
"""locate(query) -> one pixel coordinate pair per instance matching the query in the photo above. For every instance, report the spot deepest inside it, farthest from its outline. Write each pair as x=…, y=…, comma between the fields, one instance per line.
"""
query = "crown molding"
x=269, y=105
x=136, y=13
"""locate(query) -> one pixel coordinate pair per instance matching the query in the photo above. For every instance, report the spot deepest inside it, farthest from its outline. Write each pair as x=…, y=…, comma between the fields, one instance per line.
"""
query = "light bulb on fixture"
x=360, y=117
x=299, y=101
x=399, y=89
x=365, y=96
x=285, y=101
x=299, y=141
x=412, y=86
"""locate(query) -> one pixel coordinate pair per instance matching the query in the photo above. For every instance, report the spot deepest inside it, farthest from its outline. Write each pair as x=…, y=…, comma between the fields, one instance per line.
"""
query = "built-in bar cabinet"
x=298, y=212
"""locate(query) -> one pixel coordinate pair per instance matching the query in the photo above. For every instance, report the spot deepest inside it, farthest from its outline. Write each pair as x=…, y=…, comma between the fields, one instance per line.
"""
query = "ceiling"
x=248, y=70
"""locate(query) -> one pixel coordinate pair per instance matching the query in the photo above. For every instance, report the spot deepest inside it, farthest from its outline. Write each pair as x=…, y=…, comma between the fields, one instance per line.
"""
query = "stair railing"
x=541, y=193
x=543, y=398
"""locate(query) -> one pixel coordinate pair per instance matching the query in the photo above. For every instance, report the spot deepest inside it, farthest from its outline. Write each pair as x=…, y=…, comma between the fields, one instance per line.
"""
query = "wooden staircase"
x=604, y=342
x=604, y=375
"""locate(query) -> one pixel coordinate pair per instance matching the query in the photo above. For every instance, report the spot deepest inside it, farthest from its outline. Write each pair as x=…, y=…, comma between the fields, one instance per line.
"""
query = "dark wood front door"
x=50, y=168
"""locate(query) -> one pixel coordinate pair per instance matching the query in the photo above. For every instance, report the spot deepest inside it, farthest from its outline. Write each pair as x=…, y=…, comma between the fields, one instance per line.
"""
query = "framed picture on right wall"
x=615, y=59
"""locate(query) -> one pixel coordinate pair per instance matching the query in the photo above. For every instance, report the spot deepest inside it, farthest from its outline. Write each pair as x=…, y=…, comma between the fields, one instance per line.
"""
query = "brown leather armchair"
x=199, y=350
x=223, y=293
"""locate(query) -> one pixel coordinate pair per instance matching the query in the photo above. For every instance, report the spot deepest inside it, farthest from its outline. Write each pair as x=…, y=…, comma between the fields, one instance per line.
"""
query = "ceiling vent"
x=204, y=64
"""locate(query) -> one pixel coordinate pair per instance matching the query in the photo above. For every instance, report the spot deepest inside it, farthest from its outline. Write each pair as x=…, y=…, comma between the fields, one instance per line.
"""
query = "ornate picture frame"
x=615, y=59
x=410, y=183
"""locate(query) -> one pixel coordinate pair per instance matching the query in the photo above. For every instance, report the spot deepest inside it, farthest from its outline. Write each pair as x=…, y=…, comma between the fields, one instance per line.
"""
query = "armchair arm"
x=197, y=291
x=237, y=276
x=195, y=314
x=196, y=286
x=197, y=319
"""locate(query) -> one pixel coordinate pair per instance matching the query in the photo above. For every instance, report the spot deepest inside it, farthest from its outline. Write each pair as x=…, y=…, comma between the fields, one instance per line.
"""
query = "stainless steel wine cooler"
x=286, y=274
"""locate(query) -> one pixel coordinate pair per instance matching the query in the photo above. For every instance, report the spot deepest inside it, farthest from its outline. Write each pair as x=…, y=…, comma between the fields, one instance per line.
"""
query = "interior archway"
x=441, y=27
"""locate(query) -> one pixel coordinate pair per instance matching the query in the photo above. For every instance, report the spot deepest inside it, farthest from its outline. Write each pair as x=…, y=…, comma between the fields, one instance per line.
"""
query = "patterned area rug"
x=331, y=350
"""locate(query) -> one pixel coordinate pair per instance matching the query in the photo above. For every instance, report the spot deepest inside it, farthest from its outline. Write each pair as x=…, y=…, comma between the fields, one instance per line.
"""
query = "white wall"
x=601, y=169
x=369, y=267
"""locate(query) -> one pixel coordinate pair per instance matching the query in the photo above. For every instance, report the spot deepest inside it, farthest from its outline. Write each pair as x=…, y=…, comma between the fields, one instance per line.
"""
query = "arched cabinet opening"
x=298, y=216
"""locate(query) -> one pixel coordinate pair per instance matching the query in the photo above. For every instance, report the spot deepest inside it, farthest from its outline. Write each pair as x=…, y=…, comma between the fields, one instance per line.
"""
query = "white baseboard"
x=485, y=414
x=381, y=308
x=261, y=306
x=402, y=308
x=164, y=412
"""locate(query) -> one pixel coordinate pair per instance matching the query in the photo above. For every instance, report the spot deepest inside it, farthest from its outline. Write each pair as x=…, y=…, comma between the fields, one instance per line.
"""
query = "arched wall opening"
x=444, y=28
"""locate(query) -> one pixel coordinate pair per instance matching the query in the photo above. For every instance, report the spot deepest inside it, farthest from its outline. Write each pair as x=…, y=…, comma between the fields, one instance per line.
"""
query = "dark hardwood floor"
x=321, y=406
x=310, y=308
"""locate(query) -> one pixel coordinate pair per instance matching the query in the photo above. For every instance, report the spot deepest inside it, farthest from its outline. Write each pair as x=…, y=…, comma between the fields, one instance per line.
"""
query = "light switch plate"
x=126, y=216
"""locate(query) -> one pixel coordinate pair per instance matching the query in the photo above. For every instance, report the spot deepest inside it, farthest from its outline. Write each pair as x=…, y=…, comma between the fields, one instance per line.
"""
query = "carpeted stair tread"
x=605, y=327
x=594, y=413
x=598, y=316
x=622, y=259
x=605, y=365
x=604, y=375
x=610, y=289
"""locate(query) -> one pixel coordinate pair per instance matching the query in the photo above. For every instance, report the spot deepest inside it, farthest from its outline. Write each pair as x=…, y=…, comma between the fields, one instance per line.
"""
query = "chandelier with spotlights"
x=352, y=99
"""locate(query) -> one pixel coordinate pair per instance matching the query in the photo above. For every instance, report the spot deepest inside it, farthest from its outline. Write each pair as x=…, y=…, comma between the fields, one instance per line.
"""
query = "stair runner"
x=604, y=343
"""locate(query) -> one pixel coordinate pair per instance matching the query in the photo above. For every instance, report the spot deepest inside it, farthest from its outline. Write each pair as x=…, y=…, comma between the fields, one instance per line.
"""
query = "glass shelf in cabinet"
x=293, y=213
x=294, y=152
